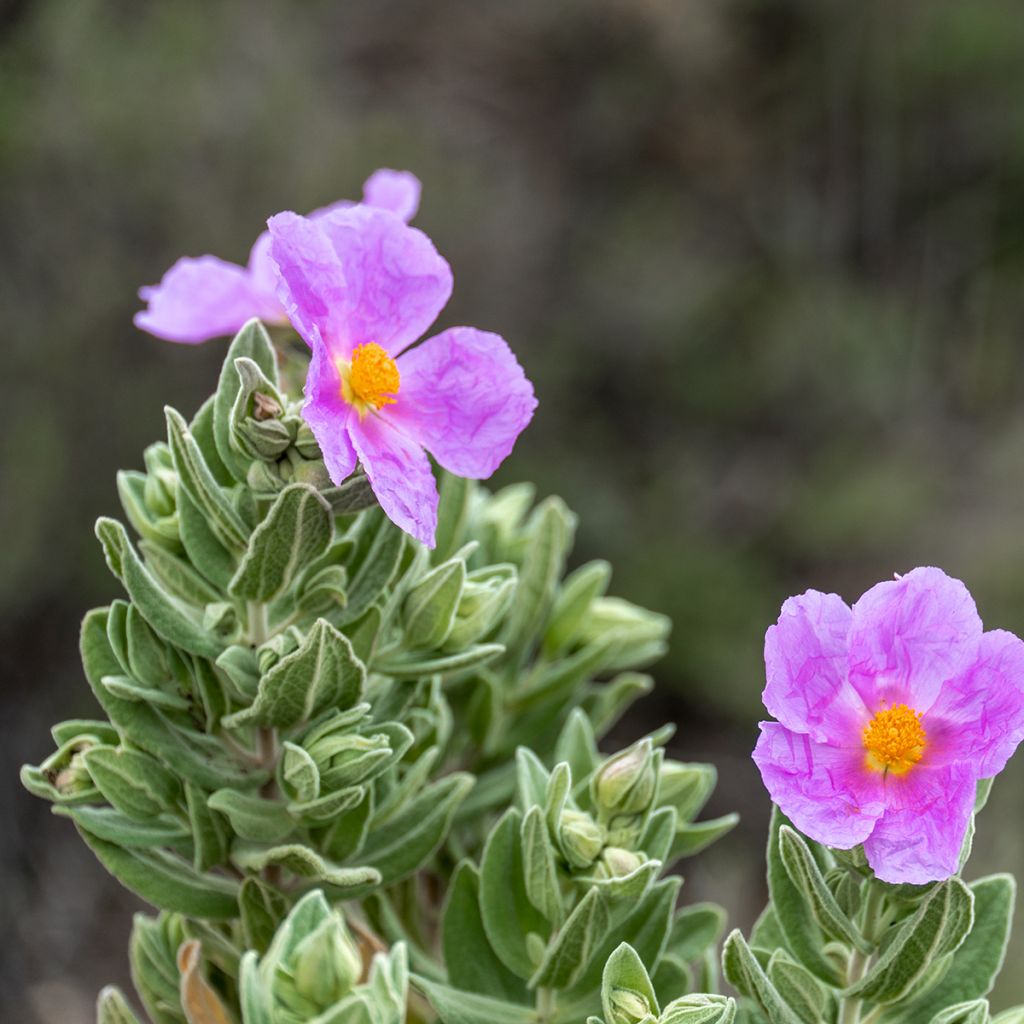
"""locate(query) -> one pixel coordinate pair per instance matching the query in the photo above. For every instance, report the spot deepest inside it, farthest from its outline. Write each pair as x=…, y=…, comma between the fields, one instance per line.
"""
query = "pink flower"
x=205, y=297
x=888, y=714
x=361, y=286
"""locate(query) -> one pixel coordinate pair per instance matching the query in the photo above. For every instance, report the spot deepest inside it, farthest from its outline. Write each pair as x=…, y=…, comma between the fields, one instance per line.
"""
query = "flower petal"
x=397, y=191
x=919, y=837
x=327, y=413
x=263, y=280
x=909, y=636
x=396, y=283
x=311, y=282
x=825, y=791
x=979, y=717
x=465, y=398
x=197, y=299
x=400, y=475
x=805, y=656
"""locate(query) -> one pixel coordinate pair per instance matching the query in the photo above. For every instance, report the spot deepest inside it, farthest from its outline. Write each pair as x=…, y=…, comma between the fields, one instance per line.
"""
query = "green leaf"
x=114, y=826
x=744, y=973
x=800, y=990
x=472, y=964
x=691, y=839
x=645, y=927
x=133, y=782
x=252, y=342
x=624, y=970
x=539, y=871
x=346, y=835
x=939, y=926
x=575, y=595
x=686, y=787
x=803, y=937
x=323, y=673
x=253, y=817
x=373, y=560
x=113, y=1008
x=549, y=537
x=977, y=962
x=195, y=477
x=694, y=929
x=577, y=746
x=198, y=758
x=455, y=1007
x=430, y=606
x=176, y=622
x=306, y=863
x=209, y=830
x=202, y=428
x=166, y=881
x=178, y=577
x=455, y=493
x=415, y=666
x=805, y=875
x=162, y=532
x=407, y=840
x=572, y=947
x=260, y=908
x=254, y=1000
x=606, y=703
x=152, y=948
x=296, y=531
x=508, y=915
x=207, y=555
x=973, y=1012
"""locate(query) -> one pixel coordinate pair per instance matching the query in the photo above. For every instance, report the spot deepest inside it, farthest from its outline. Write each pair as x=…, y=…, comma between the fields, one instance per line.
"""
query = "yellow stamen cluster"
x=371, y=380
x=894, y=739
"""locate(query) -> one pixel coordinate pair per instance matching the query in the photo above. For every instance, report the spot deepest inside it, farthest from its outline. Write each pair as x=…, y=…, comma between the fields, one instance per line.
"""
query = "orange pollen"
x=371, y=379
x=894, y=739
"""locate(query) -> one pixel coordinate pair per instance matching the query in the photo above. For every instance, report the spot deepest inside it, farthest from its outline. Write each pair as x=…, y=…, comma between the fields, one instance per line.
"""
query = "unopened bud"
x=629, y=1007
x=327, y=964
x=580, y=838
x=306, y=443
x=262, y=439
x=263, y=478
x=73, y=777
x=617, y=862
x=625, y=783
x=312, y=472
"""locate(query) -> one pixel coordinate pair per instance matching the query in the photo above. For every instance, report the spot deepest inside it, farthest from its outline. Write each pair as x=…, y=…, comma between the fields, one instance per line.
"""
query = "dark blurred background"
x=762, y=258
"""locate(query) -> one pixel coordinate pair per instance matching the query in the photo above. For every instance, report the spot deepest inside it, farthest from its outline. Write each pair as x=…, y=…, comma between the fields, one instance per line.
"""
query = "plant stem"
x=856, y=968
x=545, y=1005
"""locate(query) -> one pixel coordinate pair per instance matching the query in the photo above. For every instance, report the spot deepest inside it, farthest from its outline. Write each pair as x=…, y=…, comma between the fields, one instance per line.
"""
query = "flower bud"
x=625, y=783
x=694, y=1009
x=580, y=838
x=617, y=863
x=312, y=472
x=629, y=1007
x=262, y=439
x=263, y=478
x=73, y=777
x=327, y=964
x=306, y=443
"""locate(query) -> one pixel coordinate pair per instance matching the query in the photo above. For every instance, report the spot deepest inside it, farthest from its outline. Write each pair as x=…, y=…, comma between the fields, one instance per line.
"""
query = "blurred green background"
x=762, y=258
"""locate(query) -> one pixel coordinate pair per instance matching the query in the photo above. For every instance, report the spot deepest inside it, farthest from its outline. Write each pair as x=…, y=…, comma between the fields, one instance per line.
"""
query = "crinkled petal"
x=327, y=413
x=805, y=656
x=909, y=636
x=311, y=281
x=397, y=191
x=396, y=282
x=979, y=717
x=263, y=280
x=198, y=298
x=400, y=475
x=919, y=837
x=465, y=398
x=827, y=792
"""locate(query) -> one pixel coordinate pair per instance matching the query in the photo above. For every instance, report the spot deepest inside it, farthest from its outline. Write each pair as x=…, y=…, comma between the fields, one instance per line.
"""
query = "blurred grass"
x=762, y=258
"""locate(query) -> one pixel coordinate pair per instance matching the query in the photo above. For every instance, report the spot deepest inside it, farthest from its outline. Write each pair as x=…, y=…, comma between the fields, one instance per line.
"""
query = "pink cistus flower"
x=361, y=287
x=205, y=297
x=888, y=715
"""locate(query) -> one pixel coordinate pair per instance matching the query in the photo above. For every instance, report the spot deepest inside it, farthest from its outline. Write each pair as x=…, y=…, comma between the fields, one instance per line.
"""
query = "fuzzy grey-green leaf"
x=296, y=531
x=323, y=673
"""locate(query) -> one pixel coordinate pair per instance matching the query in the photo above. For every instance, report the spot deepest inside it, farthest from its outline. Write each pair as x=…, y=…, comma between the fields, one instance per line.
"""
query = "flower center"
x=894, y=739
x=371, y=379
